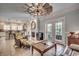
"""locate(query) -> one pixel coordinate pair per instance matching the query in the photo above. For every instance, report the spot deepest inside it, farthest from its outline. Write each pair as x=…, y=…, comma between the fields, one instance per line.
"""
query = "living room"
x=39, y=29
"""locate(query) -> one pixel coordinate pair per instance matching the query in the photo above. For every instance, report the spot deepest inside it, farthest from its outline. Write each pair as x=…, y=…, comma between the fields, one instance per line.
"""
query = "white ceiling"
x=16, y=10
x=61, y=6
x=18, y=7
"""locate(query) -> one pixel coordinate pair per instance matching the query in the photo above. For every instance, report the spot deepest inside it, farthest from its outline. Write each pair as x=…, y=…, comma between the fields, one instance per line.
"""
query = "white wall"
x=72, y=21
x=1, y=26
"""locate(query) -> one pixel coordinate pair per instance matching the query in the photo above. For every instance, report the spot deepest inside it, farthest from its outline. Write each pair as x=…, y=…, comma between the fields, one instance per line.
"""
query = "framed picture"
x=33, y=25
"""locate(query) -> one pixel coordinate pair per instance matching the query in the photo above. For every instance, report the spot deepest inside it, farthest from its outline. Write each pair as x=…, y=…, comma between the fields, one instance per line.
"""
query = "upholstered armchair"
x=20, y=40
x=17, y=41
x=66, y=52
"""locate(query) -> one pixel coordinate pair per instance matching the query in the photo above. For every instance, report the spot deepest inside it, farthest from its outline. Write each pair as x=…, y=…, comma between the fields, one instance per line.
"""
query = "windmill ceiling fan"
x=38, y=8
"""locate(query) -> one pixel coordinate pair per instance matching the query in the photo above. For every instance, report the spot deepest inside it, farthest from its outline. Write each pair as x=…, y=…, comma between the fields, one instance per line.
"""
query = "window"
x=19, y=27
x=49, y=27
x=49, y=32
x=58, y=30
x=13, y=27
x=7, y=27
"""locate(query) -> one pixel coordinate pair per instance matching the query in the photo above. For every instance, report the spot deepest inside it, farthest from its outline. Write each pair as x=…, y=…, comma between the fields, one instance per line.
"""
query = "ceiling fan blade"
x=40, y=4
x=33, y=4
x=27, y=5
x=45, y=5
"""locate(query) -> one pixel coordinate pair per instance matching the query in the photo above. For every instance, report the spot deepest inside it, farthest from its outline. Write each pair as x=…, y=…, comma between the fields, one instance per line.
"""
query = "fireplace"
x=33, y=34
x=39, y=36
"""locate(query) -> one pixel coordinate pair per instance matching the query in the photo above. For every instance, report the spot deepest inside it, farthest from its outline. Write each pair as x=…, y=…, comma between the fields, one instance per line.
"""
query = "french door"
x=48, y=31
x=55, y=31
x=60, y=31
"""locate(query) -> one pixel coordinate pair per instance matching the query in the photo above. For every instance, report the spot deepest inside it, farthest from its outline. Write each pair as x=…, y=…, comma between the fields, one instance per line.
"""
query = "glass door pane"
x=49, y=32
x=58, y=30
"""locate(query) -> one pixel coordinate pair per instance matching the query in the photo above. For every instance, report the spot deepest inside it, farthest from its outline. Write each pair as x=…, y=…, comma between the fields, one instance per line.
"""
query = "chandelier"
x=38, y=8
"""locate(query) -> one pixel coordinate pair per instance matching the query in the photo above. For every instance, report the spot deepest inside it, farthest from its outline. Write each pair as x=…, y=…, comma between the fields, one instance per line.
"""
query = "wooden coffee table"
x=33, y=42
x=43, y=47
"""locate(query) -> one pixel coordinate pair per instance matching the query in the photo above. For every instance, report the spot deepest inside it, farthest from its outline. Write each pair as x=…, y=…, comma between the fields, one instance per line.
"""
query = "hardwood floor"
x=7, y=48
